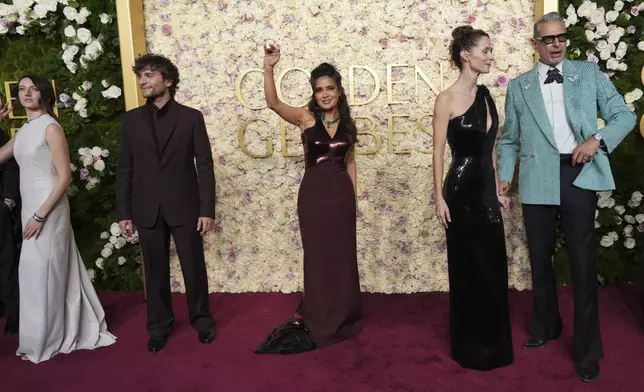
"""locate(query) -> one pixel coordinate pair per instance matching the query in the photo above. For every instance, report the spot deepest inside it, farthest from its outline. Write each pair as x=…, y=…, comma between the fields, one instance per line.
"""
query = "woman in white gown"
x=59, y=309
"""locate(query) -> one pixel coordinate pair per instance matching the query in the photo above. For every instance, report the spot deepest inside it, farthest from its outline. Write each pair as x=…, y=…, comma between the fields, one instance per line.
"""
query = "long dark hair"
x=326, y=69
x=47, y=95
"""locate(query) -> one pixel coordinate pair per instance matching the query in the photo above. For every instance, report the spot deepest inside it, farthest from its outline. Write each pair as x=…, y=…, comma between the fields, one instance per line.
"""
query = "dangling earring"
x=469, y=69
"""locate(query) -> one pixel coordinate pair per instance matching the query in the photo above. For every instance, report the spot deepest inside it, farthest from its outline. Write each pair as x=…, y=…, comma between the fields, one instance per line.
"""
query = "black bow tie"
x=554, y=76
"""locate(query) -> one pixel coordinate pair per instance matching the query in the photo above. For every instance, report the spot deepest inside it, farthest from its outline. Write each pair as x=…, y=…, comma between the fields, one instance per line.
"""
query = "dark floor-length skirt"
x=327, y=216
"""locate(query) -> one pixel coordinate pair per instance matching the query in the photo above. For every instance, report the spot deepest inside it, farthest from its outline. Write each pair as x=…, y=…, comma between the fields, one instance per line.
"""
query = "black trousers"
x=577, y=213
x=155, y=243
x=8, y=265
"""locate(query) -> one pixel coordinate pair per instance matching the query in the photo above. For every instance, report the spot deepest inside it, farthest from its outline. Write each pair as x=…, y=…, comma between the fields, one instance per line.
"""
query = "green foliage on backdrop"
x=611, y=32
x=52, y=43
x=57, y=43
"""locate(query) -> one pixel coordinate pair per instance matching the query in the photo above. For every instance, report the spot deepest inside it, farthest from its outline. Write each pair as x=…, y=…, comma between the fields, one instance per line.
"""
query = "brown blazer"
x=151, y=178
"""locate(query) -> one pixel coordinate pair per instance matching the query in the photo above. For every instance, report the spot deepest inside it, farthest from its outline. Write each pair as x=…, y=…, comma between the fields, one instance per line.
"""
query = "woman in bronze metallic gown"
x=331, y=308
x=468, y=207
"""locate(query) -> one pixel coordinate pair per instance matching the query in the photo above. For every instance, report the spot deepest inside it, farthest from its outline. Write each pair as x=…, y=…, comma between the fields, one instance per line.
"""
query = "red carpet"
x=404, y=347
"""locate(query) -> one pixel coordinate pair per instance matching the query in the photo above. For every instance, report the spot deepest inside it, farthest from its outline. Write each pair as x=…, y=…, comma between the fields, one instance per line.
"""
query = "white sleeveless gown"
x=59, y=309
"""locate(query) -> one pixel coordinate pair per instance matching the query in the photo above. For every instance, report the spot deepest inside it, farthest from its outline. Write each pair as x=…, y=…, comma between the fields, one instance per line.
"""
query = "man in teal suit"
x=551, y=125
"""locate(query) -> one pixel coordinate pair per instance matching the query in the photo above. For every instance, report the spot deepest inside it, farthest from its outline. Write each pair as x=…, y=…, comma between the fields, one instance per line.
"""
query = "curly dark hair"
x=326, y=69
x=465, y=38
x=162, y=64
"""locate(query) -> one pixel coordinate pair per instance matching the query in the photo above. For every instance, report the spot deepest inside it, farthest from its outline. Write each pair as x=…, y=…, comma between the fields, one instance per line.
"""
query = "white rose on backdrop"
x=72, y=167
x=7, y=9
x=615, y=35
x=612, y=63
x=601, y=30
x=637, y=195
x=109, y=246
x=84, y=35
x=628, y=231
x=601, y=45
x=86, y=160
x=620, y=210
x=91, y=183
x=82, y=15
x=86, y=85
x=105, y=235
x=629, y=243
x=41, y=11
x=597, y=225
x=106, y=252
x=640, y=45
x=20, y=30
x=622, y=67
x=93, y=50
x=96, y=151
x=639, y=218
x=597, y=16
x=586, y=8
x=590, y=35
x=113, y=92
x=621, y=50
x=99, y=262
x=606, y=241
x=122, y=260
x=629, y=219
x=619, y=5
x=105, y=18
x=83, y=113
x=91, y=274
x=115, y=229
x=113, y=240
x=120, y=242
x=611, y=16
x=613, y=235
x=70, y=13
x=71, y=66
x=105, y=83
x=618, y=220
x=82, y=150
x=605, y=54
x=99, y=165
x=70, y=32
x=105, y=153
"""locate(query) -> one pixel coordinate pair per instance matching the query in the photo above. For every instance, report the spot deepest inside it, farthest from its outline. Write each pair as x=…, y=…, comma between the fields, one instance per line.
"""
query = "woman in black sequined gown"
x=480, y=332
x=331, y=308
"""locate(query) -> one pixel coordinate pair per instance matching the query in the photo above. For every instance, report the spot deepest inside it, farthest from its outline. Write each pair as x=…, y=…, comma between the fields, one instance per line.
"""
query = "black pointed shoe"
x=208, y=335
x=588, y=373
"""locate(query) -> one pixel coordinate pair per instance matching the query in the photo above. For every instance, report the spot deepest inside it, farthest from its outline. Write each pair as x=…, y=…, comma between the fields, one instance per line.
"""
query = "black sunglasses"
x=548, y=39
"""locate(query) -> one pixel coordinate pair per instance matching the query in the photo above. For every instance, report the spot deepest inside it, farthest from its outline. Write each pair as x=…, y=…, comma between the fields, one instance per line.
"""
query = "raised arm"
x=296, y=116
x=620, y=120
x=57, y=143
x=439, y=124
x=509, y=143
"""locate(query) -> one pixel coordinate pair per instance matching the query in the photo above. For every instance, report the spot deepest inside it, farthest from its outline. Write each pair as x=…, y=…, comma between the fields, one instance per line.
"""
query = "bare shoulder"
x=54, y=129
x=443, y=101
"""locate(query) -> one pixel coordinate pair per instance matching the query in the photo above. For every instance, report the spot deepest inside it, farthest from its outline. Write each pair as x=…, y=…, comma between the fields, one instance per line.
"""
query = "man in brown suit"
x=159, y=190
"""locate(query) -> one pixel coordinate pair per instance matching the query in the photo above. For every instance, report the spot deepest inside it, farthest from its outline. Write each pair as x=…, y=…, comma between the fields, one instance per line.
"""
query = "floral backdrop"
x=257, y=246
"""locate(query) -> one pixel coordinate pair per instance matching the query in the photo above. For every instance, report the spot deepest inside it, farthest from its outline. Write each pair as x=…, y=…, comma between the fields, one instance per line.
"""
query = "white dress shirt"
x=553, y=98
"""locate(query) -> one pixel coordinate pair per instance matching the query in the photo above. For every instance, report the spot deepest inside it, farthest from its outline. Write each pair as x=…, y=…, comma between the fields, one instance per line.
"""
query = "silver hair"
x=549, y=17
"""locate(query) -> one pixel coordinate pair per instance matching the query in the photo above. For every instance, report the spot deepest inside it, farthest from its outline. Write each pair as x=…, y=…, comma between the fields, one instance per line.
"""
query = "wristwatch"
x=600, y=139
